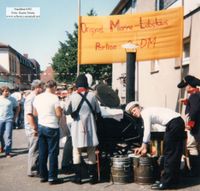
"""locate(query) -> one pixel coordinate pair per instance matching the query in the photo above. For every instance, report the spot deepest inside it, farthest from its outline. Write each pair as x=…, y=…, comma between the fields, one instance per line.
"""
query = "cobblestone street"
x=13, y=175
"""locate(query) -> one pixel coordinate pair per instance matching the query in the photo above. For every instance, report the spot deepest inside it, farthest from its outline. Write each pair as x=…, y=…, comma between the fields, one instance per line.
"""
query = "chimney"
x=26, y=55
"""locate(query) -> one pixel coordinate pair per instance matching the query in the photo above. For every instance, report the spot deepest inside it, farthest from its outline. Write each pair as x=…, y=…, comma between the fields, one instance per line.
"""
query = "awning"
x=10, y=85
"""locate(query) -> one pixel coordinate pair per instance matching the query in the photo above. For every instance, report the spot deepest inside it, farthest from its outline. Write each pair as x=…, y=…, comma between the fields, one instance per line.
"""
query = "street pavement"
x=13, y=175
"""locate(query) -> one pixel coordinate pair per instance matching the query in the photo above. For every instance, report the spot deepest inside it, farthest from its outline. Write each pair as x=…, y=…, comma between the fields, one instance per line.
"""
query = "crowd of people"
x=45, y=115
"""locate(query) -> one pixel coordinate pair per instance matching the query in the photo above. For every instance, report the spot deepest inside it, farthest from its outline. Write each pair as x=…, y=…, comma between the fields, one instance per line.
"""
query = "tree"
x=65, y=60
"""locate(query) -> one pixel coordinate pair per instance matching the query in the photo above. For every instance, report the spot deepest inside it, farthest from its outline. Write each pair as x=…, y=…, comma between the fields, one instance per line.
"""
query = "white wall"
x=145, y=6
x=189, y=5
x=195, y=46
x=159, y=89
x=4, y=60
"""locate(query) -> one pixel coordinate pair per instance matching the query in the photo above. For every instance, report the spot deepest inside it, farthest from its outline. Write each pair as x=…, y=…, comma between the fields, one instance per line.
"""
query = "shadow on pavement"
x=19, y=151
x=15, y=152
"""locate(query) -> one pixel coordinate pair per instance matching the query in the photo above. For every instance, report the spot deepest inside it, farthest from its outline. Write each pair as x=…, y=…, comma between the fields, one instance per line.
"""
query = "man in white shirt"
x=47, y=108
x=173, y=139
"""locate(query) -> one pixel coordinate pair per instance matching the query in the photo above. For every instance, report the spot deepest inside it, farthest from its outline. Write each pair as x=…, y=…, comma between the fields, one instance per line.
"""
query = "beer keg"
x=144, y=170
x=121, y=169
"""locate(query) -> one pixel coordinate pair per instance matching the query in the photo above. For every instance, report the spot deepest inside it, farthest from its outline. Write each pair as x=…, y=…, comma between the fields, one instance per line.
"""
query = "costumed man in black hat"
x=192, y=113
x=82, y=105
x=173, y=139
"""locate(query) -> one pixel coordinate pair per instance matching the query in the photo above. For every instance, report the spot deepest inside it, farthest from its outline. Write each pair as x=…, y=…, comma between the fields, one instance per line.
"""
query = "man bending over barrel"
x=173, y=139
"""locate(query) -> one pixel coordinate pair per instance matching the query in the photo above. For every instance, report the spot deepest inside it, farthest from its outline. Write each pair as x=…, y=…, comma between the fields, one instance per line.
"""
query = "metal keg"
x=144, y=171
x=121, y=169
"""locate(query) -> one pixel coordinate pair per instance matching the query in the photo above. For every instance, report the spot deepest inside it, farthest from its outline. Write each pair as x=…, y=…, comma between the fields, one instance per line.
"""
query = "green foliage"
x=65, y=60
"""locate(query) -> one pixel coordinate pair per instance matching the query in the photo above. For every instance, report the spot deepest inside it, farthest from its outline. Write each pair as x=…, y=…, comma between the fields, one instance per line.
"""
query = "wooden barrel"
x=121, y=169
x=143, y=170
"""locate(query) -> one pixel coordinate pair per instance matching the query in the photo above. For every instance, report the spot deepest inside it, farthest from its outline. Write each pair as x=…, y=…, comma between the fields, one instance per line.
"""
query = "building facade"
x=17, y=71
x=156, y=80
x=47, y=74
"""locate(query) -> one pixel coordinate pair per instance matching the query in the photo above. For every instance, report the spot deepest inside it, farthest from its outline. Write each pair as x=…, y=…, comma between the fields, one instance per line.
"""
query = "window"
x=131, y=4
x=186, y=51
x=12, y=63
x=164, y=4
x=186, y=54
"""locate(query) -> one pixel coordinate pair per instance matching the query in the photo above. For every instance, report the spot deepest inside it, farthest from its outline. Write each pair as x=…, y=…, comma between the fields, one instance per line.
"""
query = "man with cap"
x=31, y=129
x=173, y=139
x=83, y=127
x=192, y=113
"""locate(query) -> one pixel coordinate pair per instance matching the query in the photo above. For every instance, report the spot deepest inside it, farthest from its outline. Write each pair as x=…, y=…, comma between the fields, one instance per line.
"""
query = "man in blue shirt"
x=9, y=109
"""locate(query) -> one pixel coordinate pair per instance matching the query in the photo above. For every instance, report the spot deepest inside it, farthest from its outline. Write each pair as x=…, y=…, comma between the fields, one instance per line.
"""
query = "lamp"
x=130, y=47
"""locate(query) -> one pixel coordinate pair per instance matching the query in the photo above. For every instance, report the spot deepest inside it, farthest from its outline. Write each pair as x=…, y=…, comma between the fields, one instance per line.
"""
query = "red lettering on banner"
x=92, y=30
x=148, y=42
x=152, y=23
x=105, y=46
x=115, y=26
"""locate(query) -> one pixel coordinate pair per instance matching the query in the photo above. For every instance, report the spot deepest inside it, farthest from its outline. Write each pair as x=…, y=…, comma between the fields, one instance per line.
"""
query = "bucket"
x=143, y=170
x=121, y=170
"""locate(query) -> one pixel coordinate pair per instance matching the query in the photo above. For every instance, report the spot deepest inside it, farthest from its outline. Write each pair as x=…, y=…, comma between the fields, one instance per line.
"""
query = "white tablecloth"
x=116, y=114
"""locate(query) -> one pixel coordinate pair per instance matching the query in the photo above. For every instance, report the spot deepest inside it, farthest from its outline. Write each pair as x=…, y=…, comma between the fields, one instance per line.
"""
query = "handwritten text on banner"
x=158, y=35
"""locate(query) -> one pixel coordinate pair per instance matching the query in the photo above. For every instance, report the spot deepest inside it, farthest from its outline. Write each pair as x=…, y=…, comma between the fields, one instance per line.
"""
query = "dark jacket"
x=193, y=111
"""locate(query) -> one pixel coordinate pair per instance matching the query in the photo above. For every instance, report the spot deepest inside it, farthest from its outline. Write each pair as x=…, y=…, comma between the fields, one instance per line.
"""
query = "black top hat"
x=191, y=80
x=81, y=81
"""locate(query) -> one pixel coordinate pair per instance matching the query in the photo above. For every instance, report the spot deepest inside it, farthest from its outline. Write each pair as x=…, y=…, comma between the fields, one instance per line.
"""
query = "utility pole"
x=79, y=37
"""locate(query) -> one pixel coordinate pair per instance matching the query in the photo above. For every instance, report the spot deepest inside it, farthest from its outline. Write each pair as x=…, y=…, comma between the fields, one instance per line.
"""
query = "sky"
x=39, y=38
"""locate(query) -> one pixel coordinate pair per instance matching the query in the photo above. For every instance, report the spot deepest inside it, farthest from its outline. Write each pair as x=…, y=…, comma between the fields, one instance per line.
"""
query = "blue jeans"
x=6, y=135
x=48, y=147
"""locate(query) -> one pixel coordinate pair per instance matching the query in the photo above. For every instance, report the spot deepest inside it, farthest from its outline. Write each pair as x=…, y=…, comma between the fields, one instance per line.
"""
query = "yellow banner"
x=158, y=35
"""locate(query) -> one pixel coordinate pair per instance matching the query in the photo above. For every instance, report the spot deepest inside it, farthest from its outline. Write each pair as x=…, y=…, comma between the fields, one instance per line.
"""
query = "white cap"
x=131, y=105
x=89, y=79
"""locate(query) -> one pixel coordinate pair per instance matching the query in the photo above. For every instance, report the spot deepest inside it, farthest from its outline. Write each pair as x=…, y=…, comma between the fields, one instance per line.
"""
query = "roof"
x=3, y=45
x=23, y=60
